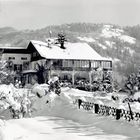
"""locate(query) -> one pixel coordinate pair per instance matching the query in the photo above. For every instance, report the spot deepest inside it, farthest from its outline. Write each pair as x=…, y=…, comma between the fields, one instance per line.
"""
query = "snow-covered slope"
x=86, y=39
x=109, y=31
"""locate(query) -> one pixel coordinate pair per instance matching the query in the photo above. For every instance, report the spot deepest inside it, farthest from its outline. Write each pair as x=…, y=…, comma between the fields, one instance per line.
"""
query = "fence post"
x=96, y=108
x=131, y=113
x=118, y=114
x=79, y=103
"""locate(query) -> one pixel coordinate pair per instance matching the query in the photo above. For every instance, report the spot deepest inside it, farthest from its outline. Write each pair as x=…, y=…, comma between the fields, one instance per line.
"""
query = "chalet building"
x=75, y=60
x=16, y=55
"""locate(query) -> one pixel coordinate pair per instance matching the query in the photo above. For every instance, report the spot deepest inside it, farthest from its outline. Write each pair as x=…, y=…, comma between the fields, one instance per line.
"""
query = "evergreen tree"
x=61, y=40
x=40, y=71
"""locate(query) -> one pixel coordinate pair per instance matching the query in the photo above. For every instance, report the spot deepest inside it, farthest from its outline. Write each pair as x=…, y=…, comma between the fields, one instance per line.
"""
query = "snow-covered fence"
x=108, y=111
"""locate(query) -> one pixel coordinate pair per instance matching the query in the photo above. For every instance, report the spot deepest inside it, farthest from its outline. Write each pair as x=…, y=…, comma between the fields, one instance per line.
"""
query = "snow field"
x=69, y=121
x=64, y=109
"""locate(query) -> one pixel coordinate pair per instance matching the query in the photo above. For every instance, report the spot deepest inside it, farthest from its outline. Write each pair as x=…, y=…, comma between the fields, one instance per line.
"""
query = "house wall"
x=16, y=58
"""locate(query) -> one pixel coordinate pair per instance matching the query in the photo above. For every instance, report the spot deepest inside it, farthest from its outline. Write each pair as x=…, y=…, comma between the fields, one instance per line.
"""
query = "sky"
x=36, y=14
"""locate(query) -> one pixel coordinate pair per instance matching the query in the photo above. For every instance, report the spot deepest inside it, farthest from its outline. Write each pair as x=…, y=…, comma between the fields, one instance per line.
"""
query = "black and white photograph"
x=69, y=70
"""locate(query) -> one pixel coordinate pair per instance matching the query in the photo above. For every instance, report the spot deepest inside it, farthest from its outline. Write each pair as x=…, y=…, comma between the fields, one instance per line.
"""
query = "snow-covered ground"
x=61, y=119
x=54, y=128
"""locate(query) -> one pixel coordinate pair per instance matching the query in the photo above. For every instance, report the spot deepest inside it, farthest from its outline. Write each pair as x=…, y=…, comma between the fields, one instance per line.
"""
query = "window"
x=17, y=67
x=35, y=54
x=11, y=58
x=86, y=64
x=67, y=63
x=95, y=64
x=23, y=58
x=57, y=63
x=106, y=64
x=81, y=64
x=75, y=63
x=25, y=65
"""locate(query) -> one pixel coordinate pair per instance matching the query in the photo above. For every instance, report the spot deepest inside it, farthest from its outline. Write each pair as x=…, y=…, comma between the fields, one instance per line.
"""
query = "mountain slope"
x=122, y=44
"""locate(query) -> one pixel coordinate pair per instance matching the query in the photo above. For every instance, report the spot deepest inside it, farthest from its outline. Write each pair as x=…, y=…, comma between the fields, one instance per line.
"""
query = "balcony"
x=69, y=68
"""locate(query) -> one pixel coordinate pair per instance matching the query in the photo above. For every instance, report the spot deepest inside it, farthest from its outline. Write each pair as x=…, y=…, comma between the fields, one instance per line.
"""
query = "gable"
x=34, y=53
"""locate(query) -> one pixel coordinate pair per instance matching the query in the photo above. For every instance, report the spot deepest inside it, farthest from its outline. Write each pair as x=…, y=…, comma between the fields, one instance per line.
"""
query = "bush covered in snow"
x=6, y=74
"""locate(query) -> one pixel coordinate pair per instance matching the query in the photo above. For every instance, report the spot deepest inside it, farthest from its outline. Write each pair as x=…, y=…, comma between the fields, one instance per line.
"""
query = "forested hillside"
x=122, y=44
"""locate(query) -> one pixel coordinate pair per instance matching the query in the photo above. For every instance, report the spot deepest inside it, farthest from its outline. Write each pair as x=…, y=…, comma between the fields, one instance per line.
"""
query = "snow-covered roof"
x=12, y=47
x=76, y=51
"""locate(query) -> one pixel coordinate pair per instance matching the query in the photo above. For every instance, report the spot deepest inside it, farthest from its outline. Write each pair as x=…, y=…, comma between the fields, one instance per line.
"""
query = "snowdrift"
x=61, y=106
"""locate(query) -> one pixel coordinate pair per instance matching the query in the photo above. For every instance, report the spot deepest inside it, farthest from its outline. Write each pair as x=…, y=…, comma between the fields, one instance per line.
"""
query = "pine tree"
x=40, y=71
x=61, y=39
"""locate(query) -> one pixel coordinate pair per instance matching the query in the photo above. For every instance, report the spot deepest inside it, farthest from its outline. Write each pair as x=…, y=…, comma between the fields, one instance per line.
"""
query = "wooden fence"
x=109, y=111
